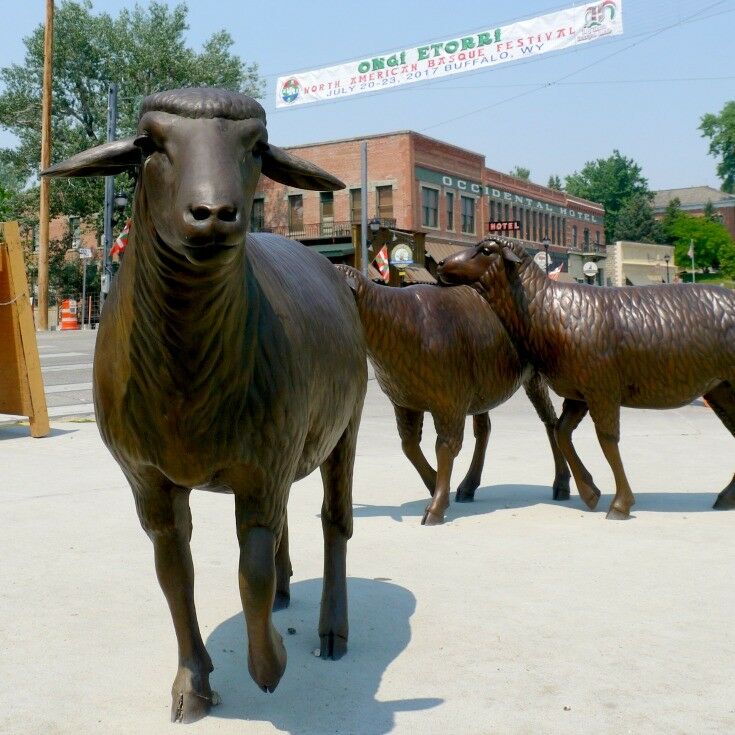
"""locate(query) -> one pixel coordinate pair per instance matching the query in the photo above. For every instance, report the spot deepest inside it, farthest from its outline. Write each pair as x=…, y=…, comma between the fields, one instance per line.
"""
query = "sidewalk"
x=519, y=615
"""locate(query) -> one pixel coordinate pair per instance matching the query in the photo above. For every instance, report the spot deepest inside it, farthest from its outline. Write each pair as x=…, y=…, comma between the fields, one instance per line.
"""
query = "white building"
x=639, y=263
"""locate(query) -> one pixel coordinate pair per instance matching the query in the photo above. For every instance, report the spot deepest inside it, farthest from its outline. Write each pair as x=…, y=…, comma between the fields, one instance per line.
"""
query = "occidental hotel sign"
x=482, y=49
x=509, y=197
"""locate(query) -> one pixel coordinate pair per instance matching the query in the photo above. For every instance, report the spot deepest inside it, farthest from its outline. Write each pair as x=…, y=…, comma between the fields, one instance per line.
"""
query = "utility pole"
x=109, y=196
x=43, y=213
x=363, y=208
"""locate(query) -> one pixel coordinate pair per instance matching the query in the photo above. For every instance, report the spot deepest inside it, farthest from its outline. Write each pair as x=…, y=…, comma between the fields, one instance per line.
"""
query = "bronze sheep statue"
x=603, y=348
x=228, y=362
x=442, y=350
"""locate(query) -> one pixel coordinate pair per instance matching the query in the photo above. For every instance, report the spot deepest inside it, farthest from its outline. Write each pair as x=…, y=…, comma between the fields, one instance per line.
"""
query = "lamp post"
x=546, y=242
x=667, y=258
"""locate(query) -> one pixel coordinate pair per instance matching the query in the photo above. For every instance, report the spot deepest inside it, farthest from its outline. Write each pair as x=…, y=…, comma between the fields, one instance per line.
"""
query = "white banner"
x=488, y=47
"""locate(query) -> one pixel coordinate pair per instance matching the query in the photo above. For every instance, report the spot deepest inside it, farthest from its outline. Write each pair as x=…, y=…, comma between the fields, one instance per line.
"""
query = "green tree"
x=611, y=182
x=720, y=129
x=521, y=172
x=672, y=211
x=142, y=49
x=713, y=246
x=635, y=221
x=554, y=182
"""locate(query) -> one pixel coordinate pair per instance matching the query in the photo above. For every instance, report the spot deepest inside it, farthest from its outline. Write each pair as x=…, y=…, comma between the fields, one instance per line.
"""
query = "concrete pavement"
x=519, y=615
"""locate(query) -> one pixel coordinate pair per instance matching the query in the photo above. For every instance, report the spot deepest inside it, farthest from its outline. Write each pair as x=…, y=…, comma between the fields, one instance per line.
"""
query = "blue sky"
x=643, y=92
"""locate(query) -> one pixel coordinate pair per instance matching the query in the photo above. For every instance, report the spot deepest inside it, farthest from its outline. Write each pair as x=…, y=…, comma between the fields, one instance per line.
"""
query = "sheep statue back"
x=603, y=348
x=442, y=350
x=225, y=361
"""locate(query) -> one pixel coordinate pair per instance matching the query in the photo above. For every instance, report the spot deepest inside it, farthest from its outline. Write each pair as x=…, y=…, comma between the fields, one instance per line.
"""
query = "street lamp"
x=546, y=242
x=374, y=225
x=121, y=200
x=667, y=258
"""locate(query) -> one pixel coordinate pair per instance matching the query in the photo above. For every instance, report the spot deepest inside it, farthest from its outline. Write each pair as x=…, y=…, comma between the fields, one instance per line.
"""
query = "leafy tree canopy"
x=635, y=221
x=713, y=246
x=610, y=181
x=554, y=182
x=142, y=49
x=521, y=172
x=720, y=129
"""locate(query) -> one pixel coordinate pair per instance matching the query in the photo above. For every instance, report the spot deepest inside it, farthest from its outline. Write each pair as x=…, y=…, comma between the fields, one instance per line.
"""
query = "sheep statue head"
x=200, y=152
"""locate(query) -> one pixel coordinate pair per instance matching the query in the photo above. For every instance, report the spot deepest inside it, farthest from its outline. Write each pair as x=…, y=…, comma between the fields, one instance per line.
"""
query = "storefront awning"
x=333, y=250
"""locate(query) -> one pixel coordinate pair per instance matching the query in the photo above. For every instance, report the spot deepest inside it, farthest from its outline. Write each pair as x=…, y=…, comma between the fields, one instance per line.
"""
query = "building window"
x=384, y=202
x=468, y=215
x=326, y=211
x=450, y=210
x=597, y=237
x=355, y=206
x=528, y=224
x=492, y=210
x=507, y=212
x=574, y=236
x=257, y=215
x=296, y=213
x=534, y=233
x=429, y=207
x=586, y=238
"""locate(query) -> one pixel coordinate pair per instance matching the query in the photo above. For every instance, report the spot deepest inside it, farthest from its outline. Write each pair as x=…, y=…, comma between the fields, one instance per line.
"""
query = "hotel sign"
x=481, y=49
x=473, y=187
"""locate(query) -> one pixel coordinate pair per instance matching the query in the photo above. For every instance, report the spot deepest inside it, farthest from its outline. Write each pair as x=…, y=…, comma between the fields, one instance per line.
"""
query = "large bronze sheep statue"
x=442, y=350
x=228, y=362
x=603, y=348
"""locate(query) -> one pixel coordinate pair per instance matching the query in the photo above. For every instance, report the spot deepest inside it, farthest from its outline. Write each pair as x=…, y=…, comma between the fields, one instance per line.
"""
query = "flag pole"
x=691, y=255
x=43, y=209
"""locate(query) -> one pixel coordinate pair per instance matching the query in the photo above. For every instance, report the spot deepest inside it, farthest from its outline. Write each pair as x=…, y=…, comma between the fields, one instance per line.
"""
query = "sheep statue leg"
x=481, y=428
x=409, y=425
x=337, y=529
x=449, y=434
x=284, y=571
x=538, y=393
x=722, y=401
x=257, y=578
x=606, y=418
x=163, y=509
x=572, y=413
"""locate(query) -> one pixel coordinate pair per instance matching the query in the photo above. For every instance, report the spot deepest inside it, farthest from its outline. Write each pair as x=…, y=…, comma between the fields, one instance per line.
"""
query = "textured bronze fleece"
x=603, y=348
x=442, y=350
x=226, y=362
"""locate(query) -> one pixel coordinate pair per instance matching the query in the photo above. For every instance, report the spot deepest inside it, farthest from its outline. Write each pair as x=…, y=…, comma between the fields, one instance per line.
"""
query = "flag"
x=118, y=247
x=690, y=252
x=554, y=275
x=381, y=260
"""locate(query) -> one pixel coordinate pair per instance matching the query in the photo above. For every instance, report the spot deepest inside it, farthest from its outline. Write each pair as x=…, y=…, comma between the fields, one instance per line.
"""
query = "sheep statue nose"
x=208, y=225
x=203, y=212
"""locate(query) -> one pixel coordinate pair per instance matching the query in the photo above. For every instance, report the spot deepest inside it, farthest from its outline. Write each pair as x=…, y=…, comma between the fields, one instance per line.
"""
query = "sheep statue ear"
x=292, y=171
x=508, y=254
x=107, y=159
x=351, y=276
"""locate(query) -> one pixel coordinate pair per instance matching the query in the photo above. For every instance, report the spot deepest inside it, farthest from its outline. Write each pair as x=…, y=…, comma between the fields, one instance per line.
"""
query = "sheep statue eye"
x=146, y=144
x=485, y=250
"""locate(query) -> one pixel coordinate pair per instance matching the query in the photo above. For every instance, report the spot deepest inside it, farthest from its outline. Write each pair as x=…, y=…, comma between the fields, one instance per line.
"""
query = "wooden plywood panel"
x=21, y=384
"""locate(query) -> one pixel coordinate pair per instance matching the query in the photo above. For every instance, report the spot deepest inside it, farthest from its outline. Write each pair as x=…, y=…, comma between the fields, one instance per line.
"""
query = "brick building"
x=419, y=184
x=693, y=200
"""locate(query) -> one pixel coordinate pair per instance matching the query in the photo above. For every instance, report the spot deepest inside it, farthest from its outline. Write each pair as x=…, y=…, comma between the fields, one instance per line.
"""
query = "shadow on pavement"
x=316, y=696
x=491, y=498
x=22, y=431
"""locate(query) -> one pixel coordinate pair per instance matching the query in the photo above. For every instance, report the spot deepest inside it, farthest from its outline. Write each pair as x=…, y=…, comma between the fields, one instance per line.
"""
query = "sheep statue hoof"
x=332, y=647
x=726, y=499
x=617, y=515
x=432, y=519
x=192, y=697
x=281, y=601
x=561, y=489
x=466, y=492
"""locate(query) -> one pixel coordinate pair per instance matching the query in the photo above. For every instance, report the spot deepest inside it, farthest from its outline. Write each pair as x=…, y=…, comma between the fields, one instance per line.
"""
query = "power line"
x=572, y=73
